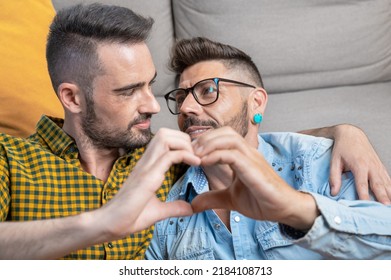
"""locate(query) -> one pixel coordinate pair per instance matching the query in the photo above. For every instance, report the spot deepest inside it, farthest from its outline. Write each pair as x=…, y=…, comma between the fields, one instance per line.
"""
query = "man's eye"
x=128, y=92
x=208, y=90
x=180, y=98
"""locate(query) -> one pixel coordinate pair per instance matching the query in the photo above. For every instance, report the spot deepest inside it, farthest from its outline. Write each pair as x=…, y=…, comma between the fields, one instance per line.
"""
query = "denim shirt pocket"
x=269, y=236
x=191, y=245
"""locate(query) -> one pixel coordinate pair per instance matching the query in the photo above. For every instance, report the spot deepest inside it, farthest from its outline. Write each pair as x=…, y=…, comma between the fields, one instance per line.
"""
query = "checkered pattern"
x=41, y=178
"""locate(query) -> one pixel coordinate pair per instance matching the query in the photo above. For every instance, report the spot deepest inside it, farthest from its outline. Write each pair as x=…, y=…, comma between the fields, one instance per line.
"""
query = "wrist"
x=92, y=227
x=303, y=213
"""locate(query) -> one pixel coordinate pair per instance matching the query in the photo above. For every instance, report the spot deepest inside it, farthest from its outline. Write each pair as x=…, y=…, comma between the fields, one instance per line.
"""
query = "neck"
x=94, y=160
x=99, y=162
x=219, y=176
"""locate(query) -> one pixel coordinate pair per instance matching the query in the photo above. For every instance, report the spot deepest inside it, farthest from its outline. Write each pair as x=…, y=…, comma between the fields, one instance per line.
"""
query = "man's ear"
x=258, y=101
x=69, y=95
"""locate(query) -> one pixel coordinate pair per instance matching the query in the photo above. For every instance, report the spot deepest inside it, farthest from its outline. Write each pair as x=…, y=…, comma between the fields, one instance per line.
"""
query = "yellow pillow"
x=25, y=88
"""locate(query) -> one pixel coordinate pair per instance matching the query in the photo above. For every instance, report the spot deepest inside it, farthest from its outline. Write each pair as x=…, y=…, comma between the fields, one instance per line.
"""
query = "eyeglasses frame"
x=191, y=90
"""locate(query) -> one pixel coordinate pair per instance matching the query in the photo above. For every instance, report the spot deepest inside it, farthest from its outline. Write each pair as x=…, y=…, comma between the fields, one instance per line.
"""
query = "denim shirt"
x=345, y=229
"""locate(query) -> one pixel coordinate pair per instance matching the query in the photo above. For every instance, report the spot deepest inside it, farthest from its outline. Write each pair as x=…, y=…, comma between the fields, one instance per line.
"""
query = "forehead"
x=130, y=60
x=203, y=70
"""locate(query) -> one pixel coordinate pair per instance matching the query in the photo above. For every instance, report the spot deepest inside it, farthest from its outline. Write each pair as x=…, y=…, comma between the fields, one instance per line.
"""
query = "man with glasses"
x=258, y=196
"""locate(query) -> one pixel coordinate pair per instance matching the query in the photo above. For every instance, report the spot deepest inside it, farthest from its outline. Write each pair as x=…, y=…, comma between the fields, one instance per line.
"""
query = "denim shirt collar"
x=265, y=149
x=194, y=179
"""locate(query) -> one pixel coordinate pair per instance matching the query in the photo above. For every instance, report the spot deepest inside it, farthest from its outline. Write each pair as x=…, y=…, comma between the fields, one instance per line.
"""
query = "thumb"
x=212, y=200
x=335, y=175
x=176, y=208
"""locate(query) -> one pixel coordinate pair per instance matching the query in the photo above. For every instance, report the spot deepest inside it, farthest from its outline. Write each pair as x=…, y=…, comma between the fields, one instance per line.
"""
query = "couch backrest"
x=298, y=45
x=301, y=44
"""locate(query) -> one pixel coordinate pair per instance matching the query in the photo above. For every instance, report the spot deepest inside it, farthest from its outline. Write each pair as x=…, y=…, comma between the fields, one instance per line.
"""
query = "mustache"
x=193, y=121
x=139, y=119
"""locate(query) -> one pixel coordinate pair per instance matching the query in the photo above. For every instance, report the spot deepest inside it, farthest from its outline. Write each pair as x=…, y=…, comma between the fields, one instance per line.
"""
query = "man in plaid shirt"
x=102, y=72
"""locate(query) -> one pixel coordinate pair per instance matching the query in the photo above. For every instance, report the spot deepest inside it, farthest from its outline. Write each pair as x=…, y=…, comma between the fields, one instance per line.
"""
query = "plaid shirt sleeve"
x=4, y=185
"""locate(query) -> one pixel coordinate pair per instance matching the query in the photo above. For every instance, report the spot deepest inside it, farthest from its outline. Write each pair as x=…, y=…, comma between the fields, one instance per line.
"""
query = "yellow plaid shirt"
x=41, y=178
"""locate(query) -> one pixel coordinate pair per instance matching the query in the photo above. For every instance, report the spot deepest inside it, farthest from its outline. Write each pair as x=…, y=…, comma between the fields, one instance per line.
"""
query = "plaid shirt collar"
x=49, y=129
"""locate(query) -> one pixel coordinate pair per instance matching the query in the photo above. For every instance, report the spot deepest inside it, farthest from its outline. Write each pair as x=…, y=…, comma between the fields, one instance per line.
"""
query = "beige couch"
x=323, y=61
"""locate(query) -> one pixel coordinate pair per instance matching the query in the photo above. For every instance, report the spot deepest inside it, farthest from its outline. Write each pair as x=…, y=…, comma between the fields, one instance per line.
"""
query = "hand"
x=256, y=191
x=353, y=152
x=135, y=206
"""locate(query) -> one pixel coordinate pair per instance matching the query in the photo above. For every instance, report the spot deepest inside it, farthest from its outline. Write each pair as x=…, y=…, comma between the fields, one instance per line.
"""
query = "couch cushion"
x=300, y=44
x=161, y=38
x=25, y=87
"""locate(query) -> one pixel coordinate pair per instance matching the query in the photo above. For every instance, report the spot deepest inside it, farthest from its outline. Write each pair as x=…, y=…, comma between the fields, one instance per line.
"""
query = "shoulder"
x=8, y=142
x=295, y=144
x=19, y=149
x=302, y=160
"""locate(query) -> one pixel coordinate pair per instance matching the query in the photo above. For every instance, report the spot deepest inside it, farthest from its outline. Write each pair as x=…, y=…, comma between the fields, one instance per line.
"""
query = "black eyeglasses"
x=205, y=92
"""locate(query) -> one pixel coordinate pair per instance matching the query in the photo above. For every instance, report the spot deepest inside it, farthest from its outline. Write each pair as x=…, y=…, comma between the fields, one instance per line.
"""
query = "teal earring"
x=257, y=119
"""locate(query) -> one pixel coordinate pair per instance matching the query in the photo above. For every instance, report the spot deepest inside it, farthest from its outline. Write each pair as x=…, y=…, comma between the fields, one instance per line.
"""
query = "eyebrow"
x=132, y=86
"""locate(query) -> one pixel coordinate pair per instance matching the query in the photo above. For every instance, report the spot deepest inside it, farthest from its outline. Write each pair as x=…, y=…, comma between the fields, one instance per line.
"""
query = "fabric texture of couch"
x=323, y=62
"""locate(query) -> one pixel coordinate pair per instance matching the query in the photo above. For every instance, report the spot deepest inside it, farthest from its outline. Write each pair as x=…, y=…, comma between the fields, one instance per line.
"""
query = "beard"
x=239, y=122
x=107, y=136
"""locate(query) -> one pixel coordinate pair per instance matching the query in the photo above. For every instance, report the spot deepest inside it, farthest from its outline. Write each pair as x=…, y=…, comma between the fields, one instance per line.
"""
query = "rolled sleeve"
x=350, y=230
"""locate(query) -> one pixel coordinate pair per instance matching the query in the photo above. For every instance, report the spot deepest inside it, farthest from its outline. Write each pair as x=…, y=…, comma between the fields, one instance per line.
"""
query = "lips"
x=145, y=124
x=195, y=131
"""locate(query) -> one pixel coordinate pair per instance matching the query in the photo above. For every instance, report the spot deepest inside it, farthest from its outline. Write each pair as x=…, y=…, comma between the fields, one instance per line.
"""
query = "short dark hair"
x=187, y=52
x=75, y=33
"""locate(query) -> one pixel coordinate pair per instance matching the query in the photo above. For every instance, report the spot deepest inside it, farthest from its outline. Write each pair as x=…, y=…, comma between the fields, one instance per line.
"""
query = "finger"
x=150, y=173
x=156, y=211
x=335, y=175
x=240, y=163
x=227, y=144
x=209, y=135
x=361, y=181
x=379, y=189
x=212, y=200
x=167, y=139
x=178, y=208
x=387, y=184
x=162, y=164
x=173, y=157
x=164, y=132
x=388, y=190
x=222, y=138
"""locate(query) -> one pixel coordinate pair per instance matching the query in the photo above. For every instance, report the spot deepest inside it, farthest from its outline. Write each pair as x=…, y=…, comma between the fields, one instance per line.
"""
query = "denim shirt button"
x=237, y=219
x=217, y=226
x=337, y=220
